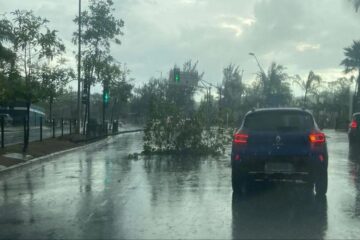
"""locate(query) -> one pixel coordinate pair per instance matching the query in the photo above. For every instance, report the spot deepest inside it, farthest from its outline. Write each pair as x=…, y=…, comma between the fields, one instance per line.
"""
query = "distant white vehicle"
x=7, y=119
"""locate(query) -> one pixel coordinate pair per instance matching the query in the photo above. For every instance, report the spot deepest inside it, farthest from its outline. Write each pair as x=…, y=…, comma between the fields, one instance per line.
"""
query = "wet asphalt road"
x=100, y=194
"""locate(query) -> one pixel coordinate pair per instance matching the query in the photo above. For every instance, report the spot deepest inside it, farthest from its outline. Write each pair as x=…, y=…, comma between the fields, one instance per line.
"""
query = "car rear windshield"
x=279, y=121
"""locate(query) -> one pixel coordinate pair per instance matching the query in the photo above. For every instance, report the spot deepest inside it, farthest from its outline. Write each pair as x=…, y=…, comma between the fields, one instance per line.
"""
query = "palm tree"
x=6, y=55
x=352, y=62
x=233, y=88
x=276, y=90
x=310, y=85
x=356, y=4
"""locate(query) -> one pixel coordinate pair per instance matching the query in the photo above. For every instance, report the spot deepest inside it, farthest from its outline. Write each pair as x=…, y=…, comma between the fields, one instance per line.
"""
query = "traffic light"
x=106, y=97
x=106, y=94
x=177, y=75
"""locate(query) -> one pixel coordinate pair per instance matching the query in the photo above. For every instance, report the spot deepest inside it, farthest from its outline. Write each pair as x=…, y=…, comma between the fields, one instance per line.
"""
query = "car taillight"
x=241, y=138
x=353, y=124
x=317, y=138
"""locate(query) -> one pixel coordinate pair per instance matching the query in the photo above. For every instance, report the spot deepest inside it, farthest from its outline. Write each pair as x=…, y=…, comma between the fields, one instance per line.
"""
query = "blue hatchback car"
x=279, y=144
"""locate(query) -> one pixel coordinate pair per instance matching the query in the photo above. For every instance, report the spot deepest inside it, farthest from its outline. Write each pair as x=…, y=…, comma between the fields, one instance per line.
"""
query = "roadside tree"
x=53, y=80
x=310, y=85
x=351, y=63
x=31, y=41
x=230, y=94
x=100, y=28
x=275, y=86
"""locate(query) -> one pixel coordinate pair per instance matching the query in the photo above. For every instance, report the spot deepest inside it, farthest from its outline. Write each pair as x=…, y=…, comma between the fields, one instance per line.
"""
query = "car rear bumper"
x=301, y=168
x=280, y=176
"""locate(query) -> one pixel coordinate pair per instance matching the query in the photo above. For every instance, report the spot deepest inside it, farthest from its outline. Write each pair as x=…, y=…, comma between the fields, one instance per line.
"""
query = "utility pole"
x=79, y=75
x=220, y=97
x=219, y=88
x=258, y=63
x=262, y=71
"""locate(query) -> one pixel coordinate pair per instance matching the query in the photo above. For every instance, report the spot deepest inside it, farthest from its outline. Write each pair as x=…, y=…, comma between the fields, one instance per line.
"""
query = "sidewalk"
x=66, y=128
x=36, y=149
x=21, y=128
x=12, y=155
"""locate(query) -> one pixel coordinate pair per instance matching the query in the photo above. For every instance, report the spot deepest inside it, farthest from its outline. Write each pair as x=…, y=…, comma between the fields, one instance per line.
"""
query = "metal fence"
x=50, y=129
x=11, y=135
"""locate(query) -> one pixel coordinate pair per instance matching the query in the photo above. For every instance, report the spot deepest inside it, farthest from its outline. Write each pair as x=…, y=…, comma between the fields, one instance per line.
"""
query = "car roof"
x=302, y=110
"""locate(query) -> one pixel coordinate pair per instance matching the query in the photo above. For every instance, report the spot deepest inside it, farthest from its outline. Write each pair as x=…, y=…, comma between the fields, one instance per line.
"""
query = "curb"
x=127, y=131
x=33, y=163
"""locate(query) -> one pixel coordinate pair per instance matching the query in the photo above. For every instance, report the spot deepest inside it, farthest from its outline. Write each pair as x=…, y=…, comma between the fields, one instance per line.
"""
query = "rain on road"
x=100, y=193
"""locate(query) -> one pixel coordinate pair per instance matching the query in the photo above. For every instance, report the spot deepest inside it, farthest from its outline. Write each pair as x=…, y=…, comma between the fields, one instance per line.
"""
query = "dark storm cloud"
x=300, y=34
x=307, y=34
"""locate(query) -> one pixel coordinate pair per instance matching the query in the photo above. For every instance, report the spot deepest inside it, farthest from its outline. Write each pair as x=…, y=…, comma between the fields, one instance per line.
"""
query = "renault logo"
x=278, y=142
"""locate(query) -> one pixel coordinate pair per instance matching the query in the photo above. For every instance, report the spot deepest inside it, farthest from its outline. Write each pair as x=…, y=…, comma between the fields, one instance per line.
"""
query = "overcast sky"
x=302, y=35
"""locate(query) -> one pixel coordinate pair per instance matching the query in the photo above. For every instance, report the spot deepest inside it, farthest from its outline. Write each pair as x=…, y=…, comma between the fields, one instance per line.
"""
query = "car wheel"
x=321, y=183
x=238, y=181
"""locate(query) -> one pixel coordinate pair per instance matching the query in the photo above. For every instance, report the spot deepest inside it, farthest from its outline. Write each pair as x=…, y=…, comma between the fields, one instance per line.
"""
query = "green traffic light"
x=176, y=75
x=106, y=97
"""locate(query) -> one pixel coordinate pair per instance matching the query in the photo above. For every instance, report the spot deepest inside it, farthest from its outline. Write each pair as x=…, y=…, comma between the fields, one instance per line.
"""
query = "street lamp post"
x=257, y=61
x=259, y=65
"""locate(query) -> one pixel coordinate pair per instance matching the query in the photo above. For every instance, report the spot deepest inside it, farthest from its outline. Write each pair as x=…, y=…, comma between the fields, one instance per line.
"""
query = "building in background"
x=18, y=112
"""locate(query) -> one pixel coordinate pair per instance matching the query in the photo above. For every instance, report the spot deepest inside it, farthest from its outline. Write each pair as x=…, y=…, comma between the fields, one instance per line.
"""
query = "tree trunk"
x=27, y=126
x=85, y=115
x=356, y=103
x=28, y=103
x=103, y=113
x=51, y=101
x=112, y=109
